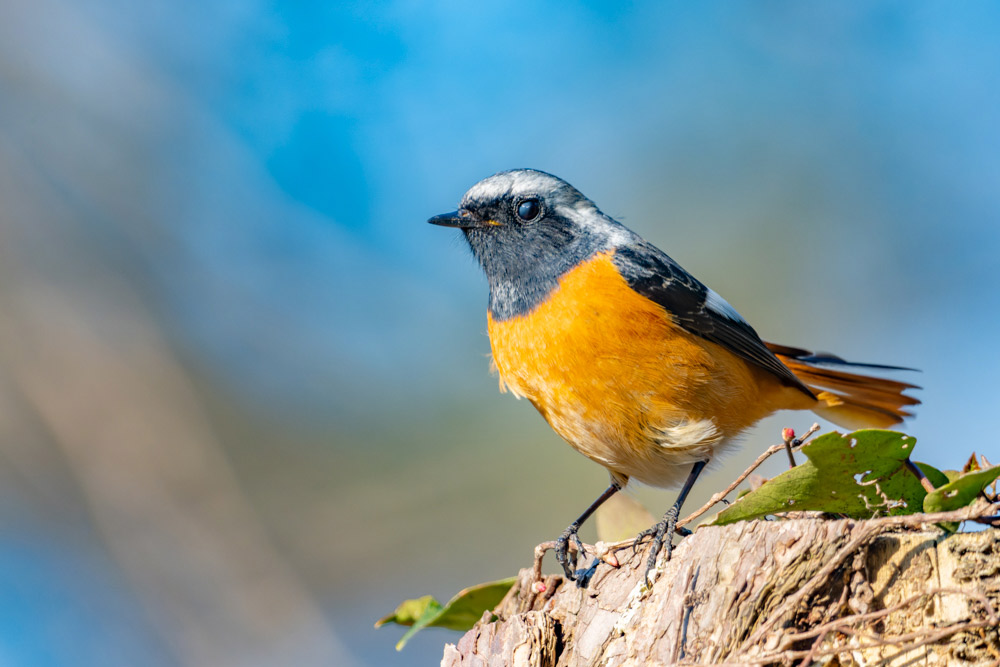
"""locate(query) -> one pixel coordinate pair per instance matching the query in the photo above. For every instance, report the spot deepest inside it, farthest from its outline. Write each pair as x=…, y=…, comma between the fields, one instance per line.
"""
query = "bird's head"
x=527, y=228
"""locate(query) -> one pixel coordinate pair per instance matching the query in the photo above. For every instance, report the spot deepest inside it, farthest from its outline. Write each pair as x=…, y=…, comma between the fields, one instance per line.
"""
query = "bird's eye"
x=528, y=210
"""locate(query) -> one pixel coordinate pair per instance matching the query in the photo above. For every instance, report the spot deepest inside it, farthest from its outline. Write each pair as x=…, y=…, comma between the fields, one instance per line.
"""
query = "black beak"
x=455, y=219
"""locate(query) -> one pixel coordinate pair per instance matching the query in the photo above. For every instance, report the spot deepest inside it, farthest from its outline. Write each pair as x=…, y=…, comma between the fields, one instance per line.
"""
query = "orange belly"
x=623, y=384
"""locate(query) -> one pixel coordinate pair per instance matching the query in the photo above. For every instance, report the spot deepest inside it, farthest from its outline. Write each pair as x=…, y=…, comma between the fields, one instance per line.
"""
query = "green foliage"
x=460, y=613
x=961, y=491
x=863, y=474
x=860, y=475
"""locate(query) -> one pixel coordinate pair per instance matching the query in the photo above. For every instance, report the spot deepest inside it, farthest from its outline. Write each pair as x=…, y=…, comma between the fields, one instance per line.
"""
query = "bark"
x=763, y=592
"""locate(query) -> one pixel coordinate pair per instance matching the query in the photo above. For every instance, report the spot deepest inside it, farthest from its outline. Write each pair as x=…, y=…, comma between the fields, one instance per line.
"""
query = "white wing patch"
x=720, y=306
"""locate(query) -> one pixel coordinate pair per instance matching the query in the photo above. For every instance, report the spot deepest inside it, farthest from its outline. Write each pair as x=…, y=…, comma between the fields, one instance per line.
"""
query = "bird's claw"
x=641, y=537
x=651, y=532
x=662, y=539
x=563, y=555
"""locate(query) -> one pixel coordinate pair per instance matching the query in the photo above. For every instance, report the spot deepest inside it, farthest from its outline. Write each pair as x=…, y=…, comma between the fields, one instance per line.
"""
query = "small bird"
x=629, y=358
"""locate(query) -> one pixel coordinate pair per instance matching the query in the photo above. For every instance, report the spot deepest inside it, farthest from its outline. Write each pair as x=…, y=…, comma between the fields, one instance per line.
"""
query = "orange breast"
x=617, y=379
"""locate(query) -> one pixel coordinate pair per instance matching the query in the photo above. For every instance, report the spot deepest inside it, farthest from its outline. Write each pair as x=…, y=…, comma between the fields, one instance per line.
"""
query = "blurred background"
x=245, y=405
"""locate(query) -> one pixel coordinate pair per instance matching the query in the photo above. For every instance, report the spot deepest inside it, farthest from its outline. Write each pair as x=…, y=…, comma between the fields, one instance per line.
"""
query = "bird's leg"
x=663, y=531
x=562, y=544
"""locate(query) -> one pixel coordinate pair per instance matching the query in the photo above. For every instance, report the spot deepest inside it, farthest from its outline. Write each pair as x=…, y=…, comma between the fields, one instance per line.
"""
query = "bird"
x=630, y=359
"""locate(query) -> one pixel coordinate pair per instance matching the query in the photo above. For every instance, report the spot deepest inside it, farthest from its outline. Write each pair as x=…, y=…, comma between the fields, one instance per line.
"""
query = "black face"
x=527, y=229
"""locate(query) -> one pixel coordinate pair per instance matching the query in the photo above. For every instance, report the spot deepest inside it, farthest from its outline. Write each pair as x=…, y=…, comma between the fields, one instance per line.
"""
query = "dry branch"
x=891, y=591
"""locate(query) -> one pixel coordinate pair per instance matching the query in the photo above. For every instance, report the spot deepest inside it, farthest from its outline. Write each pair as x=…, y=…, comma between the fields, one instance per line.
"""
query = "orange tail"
x=849, y=399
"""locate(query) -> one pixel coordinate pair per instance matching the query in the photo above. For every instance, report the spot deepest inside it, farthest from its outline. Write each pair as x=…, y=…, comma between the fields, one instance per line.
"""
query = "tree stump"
x=797, y=591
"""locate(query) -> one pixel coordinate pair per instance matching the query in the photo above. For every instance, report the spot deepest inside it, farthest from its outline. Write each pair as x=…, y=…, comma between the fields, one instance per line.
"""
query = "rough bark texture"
x=793, y=592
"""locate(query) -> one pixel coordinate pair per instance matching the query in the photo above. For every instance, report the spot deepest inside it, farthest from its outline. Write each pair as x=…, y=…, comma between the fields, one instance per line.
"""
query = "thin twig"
x=909, y=641
x=866, y=531
x=788, y=437
x=988, y=520
x=770, y=451
x=919, y=474
x=875, y=615
x=536, y=570
x=842, y=625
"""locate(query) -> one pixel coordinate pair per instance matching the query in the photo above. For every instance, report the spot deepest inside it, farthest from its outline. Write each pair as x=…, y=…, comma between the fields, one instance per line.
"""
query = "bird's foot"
x=651, y=532
x=564, y=556
x=662, y=534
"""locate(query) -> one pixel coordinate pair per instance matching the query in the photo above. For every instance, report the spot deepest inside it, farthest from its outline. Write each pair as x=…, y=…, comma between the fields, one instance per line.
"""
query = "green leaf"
x=860, y=475
x=460, y=613
x=409, y=611
x=961, y=491
x=937, y=479
x=426, y=619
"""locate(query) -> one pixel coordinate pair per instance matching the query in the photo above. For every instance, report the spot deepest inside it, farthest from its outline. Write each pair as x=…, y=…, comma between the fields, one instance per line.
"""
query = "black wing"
x=653, y=274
